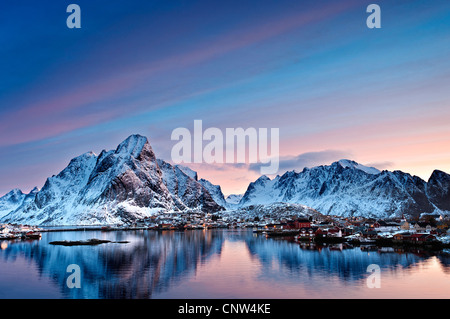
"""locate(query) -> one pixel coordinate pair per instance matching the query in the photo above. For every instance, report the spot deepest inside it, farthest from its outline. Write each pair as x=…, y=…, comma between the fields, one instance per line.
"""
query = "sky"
x=334, y=87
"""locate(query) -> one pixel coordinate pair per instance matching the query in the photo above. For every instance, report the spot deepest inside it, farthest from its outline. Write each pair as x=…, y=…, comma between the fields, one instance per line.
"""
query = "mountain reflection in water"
x=203, y=264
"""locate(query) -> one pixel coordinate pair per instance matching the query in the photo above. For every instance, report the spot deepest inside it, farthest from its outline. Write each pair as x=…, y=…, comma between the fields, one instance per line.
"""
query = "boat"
x=32, y=235
x=8, y=236
x=282, y=233
x=367, y=241
x=303, y=238
x=256, y=231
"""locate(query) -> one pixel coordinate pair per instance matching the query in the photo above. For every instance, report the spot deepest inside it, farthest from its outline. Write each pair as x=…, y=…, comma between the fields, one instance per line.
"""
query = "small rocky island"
x=88, y=242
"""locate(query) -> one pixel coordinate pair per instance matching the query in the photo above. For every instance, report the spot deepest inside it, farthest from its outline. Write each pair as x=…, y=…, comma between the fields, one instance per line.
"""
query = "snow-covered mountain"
x=11, y=201
x=14, y=199
x=129, y=182
x=114, y=187
x=347, y=188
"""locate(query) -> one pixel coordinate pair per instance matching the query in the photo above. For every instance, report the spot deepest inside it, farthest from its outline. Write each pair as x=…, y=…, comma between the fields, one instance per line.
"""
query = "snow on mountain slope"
x=14, y=199
x=347, y=188
x=189, y=172
x=116, y=186
x=11, y=201
x=215, y=191
x=183, y=185
x=233, y=200
x=352, y=164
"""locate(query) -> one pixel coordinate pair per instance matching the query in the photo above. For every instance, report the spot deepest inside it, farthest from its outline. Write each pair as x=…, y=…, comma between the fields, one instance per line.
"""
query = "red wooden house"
x=302, y=223
x=298, y=224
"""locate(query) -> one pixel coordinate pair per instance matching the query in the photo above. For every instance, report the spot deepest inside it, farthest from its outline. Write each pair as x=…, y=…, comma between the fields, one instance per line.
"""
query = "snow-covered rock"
x=233, y=200
x=189, y=172
x=215, y=191
x=14, y=199
x=11, y=201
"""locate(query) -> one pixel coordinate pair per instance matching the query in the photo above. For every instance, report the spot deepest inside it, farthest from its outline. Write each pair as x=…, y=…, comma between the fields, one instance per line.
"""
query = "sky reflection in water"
x=212, y=264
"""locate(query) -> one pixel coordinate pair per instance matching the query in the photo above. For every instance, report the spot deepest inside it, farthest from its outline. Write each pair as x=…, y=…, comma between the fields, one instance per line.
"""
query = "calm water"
x=213, y=264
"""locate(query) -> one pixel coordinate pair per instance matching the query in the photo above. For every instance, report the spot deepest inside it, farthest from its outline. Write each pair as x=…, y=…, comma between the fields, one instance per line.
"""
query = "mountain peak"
x=34, y=191
x=439, y=177
x=439, y=173
x=189, y=172
x=15, y=191
x=346, y=163
x=88, y=155
x=262, y=179
x=133, y=145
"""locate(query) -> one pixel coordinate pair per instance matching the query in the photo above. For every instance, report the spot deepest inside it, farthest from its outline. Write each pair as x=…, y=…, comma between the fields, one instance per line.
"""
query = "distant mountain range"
x=346, y=188
x=129, y=183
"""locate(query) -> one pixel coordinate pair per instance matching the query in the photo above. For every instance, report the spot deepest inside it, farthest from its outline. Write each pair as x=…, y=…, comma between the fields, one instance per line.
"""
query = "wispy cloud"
x=381, y=165
x=309, y=159
x=36, y=120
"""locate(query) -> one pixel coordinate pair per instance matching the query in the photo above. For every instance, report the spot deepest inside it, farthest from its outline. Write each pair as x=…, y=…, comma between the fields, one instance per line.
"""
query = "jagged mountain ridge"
x=347, y=188
x=114, y=187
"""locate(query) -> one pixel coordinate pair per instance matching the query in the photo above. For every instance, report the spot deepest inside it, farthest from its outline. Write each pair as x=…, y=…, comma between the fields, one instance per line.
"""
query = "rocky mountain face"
x=215, y=191
x=438, y=190
x=347, y=188
x=185, y=188
x=114, y=187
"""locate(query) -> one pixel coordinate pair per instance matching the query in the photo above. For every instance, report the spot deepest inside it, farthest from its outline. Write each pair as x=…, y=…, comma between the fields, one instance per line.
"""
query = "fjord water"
x=213, y=264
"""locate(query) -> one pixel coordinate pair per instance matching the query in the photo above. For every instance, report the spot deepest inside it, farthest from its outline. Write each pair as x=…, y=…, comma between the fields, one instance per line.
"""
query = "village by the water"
x=428, y=231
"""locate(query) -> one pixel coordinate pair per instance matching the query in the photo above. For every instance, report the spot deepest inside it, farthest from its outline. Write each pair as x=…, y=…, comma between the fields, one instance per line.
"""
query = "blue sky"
x=311, y=68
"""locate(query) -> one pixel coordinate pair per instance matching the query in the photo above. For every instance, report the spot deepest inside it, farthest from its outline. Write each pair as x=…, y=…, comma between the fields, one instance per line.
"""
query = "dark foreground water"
x=213, y=264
